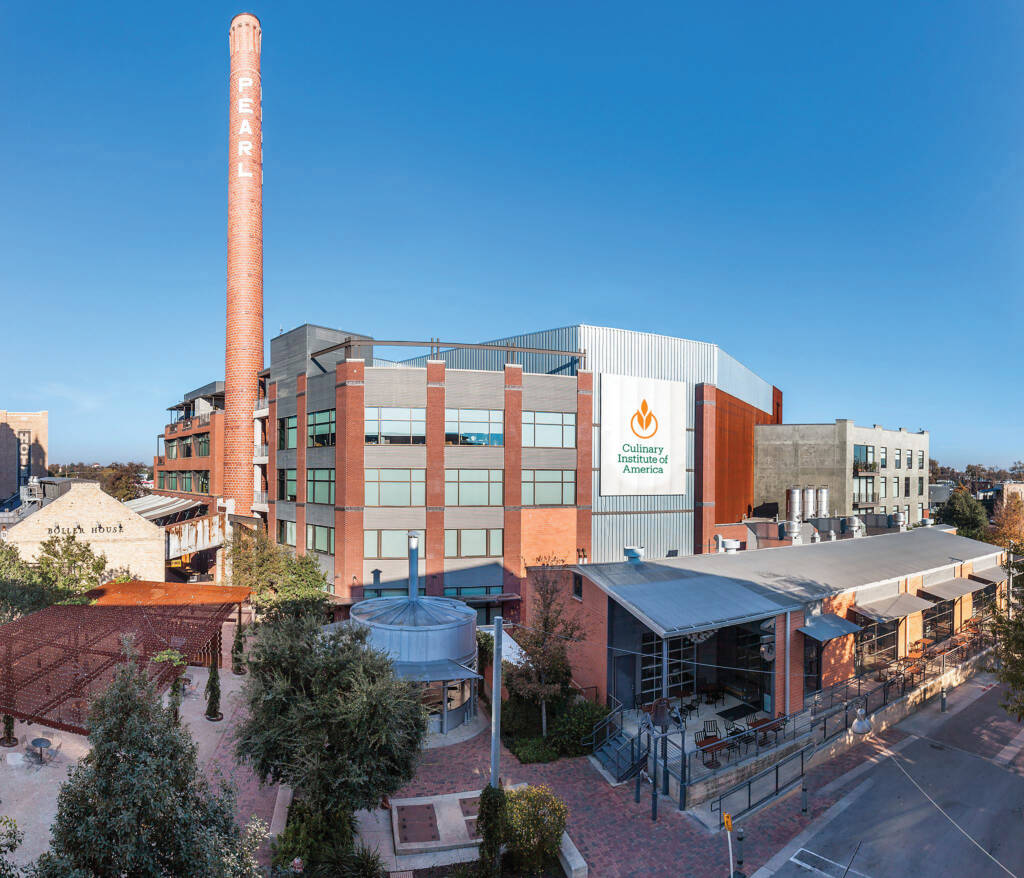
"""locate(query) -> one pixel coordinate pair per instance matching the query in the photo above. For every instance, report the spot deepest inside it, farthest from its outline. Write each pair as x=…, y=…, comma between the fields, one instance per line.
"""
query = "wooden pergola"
x=54, y=661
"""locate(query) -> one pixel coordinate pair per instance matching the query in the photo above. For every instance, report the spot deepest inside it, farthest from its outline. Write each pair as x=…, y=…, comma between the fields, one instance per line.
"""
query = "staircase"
x=621, y=754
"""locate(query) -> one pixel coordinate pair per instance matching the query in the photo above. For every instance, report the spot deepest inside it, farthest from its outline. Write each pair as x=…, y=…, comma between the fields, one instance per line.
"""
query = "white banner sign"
x=643, y=435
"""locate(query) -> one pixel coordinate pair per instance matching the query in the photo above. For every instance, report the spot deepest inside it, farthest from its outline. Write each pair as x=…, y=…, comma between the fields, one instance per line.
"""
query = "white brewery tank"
x=821, y=495
x=794, y=504
x=808, y=503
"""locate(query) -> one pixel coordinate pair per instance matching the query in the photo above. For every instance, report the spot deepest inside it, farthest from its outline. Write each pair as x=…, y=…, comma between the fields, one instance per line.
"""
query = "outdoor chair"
x=711, y=727
x=689, y=708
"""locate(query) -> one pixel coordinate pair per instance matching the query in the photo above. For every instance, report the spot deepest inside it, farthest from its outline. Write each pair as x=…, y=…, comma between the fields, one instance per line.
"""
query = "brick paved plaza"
x=616, y=835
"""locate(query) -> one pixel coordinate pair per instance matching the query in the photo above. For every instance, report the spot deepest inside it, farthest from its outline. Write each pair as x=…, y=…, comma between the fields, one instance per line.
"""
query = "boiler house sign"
x=643, y=435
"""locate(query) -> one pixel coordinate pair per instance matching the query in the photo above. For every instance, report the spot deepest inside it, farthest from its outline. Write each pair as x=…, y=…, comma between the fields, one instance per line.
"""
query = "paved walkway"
x=616, y=835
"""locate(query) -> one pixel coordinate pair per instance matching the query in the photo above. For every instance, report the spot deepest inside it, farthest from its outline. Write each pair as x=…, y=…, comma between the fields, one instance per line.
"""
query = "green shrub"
x=536, y=821
x=519, y=719
x=484, y=650
x=315, y=838
x=573, y=725
x=533, y=750
x=491, y=821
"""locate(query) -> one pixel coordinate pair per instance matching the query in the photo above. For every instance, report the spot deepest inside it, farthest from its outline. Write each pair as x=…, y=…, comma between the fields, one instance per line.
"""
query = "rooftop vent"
x=634, y=554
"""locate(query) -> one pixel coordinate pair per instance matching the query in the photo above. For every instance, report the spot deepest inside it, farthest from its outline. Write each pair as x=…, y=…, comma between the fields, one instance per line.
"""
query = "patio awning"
x=828, y=626
x=990, y=575
x=429, y=672
x=951, y=589
x=895, y=607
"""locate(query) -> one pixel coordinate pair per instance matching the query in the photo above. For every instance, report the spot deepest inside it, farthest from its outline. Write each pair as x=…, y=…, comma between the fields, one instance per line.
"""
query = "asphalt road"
x=969, y=762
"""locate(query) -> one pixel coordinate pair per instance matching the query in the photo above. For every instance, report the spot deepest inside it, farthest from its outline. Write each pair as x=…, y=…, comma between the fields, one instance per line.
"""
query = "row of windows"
x=389, y=425
x=865, y=455
x=864, y=487
x=188, y=446
x=458, y=543
x=462, y=487
x=197, y=482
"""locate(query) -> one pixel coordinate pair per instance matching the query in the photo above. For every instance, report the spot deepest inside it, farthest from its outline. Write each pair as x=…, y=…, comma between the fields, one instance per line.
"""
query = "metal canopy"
x=434, y=672
x=896, y=607
x=951, y=588
x=991, y=575
x=828, y=626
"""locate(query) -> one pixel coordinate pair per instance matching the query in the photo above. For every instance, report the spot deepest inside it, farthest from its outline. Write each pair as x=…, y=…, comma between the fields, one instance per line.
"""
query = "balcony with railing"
x=865, y=466
x=260, y=453
x=865, y=499
x=260, y=498
x=261, y=407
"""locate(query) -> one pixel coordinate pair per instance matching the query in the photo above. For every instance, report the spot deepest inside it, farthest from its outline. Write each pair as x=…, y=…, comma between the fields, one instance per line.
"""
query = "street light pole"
x=496, y=703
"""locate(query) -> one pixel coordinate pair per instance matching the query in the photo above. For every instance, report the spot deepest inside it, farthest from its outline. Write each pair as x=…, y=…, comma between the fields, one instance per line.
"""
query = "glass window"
x=549, y=487
x=320, y=486
x=881, y=509
x=577, y=586
x=320, y=538
x=920, y=511
x=473, y=487
x=896, y=458
x=895, y=486
x=172, y=481
x=876, y=645
x=320, y=428
x=920, y=486
x=906, y=486
x=388, y=543
x=287, y=432
x=186, y=482
x=937, y=620
x=883, y=483
x=286, y=489
x=201, y=444
x=474, y=427
x=203, y=482
x=864, y=456
x=395, y=487
x=286, y=532
x=171, y=449
x=160, y=479
x=882, y=457
x=549, y=429
x=920, y=460
x=395, y=426
x=910, y=459
x=474, y=543
x=185, y=447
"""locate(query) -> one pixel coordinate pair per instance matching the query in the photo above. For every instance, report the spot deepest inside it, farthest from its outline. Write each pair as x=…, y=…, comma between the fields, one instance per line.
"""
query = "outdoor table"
x=760, y=724
x=41, y=744
x=916, y=655
x=713, y=745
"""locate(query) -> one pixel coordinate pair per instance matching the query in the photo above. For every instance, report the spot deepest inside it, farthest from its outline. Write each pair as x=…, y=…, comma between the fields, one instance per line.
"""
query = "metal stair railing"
x=606, y=728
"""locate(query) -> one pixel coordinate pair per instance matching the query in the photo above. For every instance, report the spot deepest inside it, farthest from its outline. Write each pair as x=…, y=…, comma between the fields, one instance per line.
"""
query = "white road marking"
x=831, y=869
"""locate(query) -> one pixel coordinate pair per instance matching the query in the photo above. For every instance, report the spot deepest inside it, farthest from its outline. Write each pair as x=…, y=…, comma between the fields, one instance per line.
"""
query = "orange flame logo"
x=643, y=423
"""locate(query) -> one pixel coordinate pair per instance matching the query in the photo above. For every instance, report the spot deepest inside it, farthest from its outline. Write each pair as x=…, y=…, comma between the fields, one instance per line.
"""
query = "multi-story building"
x=23, y=446
x=494, y=453
x=190, y=451
x=866, y=469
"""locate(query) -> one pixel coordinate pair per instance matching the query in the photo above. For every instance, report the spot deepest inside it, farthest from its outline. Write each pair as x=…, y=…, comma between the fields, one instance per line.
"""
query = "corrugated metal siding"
x=474, y=517
x=320, y=392
x=562, y=339
x=474, y=389
x=658, y=533
x=549, y=393
x=741, y=382
x=318, y=513
x=549, y=458
x=394, y=518
x=395, y=456
x=396, y=387
x=468, y=457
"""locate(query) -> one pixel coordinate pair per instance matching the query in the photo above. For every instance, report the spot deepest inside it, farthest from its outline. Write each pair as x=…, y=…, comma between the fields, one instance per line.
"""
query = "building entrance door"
x=625, y=680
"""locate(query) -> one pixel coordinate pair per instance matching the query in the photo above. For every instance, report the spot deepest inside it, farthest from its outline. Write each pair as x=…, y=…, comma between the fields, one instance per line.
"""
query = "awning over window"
x=430, y=672
x=952, y=588
x=895, y=607
x=990, y=575
x=828, y=626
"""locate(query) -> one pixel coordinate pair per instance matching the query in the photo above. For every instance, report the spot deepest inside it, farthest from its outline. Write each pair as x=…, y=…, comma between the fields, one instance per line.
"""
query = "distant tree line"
x=122, y=481
x=976, y=474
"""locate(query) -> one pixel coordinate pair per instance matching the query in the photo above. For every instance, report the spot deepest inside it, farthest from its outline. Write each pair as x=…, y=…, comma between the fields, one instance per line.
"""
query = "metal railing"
x=172, y=428
x=259, y=497
x=864, y=466
x=764, y=785
x=865, y=499
x=260, y=404
x=261, y=451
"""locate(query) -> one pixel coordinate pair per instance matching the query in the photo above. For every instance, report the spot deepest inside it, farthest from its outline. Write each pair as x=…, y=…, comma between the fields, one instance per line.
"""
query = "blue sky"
x=832, y=194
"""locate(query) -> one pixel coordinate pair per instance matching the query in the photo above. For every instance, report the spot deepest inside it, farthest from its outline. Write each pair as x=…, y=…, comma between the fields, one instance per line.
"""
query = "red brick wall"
x=796, y=664
x=244, y=337
x=348, y=492
x=838, y=655
x=548, y=532
x=434, y=537
x=588, y=657
x=214, y=462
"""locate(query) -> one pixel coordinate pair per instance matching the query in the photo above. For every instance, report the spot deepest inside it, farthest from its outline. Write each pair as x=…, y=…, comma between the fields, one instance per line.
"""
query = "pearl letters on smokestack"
x=244, y=349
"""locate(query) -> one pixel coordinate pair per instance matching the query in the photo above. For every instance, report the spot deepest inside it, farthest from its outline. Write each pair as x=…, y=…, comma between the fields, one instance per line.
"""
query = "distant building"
x=867, y=470
x=23, y=449
x=938, y=494
x=68, y=506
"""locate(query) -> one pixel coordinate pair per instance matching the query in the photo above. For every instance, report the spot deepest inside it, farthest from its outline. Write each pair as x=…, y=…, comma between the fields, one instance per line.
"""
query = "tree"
x=545, y=672
x=123, y=481
x=10, y=838
x=213, y=692
x=137, y=804
x=1009, y=520
x=328, y=716
x=965, y=513
x=22, y=590
x=1008, y=628
x=1017, y=469
x=273, y=574
x=68, y=566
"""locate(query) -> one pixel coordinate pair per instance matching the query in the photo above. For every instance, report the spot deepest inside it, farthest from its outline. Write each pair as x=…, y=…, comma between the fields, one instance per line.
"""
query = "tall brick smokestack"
x=244, y=349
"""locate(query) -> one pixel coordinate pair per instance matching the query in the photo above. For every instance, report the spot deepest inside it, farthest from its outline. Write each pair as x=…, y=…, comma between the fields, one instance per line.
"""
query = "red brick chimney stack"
x=244, y=349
